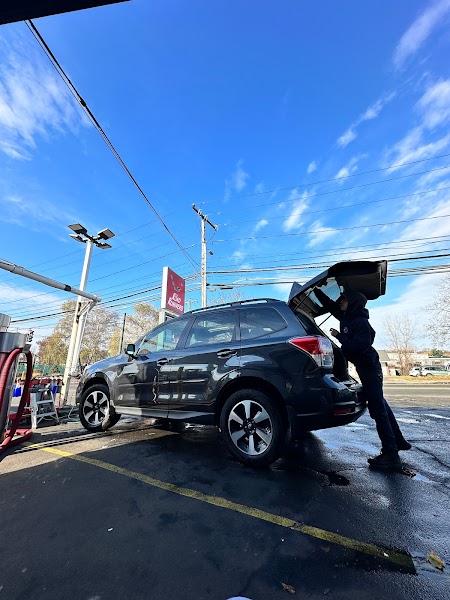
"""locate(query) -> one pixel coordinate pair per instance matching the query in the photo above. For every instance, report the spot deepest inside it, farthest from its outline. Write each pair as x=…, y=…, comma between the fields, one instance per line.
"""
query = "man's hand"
x=334, y=332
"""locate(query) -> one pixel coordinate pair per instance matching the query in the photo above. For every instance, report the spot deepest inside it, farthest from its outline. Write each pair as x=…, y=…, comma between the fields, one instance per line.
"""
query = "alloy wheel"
x=95, y=408
x=250, y=427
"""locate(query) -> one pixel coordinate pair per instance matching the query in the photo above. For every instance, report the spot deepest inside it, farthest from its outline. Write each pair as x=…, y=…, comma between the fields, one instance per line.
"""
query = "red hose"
x=25, y=434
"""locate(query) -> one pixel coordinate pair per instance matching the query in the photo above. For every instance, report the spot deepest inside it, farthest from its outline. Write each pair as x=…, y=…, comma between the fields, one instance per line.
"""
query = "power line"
x=264, y=237
x=389, y=168
x=31, y=26
x=320, y=265
x=354, y=187
x=310, y=212
x=356, y=249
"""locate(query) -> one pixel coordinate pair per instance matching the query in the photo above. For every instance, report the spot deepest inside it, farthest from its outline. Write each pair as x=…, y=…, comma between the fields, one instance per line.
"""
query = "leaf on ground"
x=437, y=562
x=288, y=587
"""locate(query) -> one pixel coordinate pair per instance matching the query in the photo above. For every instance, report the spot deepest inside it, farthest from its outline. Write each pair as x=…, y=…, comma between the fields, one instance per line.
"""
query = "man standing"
x=356, y=338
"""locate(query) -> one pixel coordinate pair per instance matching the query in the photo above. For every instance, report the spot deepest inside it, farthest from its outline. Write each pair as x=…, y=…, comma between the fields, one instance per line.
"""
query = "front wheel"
x=94, y=408
x=252, y=427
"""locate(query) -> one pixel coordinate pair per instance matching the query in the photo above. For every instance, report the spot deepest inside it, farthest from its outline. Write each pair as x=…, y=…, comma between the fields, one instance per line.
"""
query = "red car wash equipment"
x=12, y=345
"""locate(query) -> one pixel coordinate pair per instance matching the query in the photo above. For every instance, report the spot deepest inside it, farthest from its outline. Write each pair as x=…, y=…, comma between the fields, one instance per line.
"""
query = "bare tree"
x=401, y=331
x=100, y=325
x=226, y=297
x=440, y=309
x=140, y=321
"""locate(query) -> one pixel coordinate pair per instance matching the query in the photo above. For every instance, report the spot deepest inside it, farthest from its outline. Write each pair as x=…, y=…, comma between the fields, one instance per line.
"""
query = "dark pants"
x=380, y=411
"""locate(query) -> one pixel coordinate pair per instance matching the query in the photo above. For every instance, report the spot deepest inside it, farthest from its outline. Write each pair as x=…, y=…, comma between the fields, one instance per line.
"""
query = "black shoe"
x=403, y=444
x=386, y=461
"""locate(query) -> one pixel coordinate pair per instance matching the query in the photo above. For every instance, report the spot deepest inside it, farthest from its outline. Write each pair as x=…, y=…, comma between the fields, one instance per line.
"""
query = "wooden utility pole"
x=204, y=220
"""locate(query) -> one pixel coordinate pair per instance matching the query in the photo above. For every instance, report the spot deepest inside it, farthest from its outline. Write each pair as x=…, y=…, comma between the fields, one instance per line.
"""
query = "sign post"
x=172, y=295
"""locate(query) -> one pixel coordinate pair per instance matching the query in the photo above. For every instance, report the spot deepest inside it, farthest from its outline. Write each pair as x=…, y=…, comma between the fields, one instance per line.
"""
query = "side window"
x=164, y=338
x=216, y=328
x=257, y=322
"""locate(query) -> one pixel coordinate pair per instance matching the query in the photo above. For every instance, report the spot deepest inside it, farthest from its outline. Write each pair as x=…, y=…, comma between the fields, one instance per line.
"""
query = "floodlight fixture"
x=77, y=228
x=105, y=234
x=103, y=246
x=78, y=238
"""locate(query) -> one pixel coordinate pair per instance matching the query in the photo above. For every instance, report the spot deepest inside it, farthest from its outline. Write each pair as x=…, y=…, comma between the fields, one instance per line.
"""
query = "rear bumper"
x=346, y=403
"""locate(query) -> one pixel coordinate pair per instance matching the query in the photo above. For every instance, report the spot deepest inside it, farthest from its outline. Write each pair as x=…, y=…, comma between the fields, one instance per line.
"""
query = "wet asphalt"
x=70, y=529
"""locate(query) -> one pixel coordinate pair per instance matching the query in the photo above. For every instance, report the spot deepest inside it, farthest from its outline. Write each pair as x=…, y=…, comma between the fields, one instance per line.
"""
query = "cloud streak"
x=372, y=112
x=420, y=30
x=34, y=103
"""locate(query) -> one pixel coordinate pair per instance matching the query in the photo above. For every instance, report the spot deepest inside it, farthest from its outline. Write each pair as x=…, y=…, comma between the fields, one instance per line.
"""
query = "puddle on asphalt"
x=414, y=475
x=426, y=569
x=436, y=416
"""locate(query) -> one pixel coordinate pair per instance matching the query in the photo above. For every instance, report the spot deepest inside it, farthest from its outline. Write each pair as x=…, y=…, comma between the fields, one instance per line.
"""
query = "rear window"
x=261, y=321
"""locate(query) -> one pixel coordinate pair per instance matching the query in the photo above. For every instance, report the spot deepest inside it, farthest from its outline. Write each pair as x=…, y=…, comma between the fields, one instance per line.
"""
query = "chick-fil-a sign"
x=173, y=291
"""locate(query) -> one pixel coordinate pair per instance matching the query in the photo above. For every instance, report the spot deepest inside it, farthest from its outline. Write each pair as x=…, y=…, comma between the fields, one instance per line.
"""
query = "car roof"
x=237, y=304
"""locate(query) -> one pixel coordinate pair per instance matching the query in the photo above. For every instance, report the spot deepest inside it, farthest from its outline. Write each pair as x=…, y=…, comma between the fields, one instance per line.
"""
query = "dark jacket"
x=357, y=335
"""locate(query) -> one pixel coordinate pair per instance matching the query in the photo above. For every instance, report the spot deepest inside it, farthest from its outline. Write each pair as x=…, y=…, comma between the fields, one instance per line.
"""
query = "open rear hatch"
x=367, y=277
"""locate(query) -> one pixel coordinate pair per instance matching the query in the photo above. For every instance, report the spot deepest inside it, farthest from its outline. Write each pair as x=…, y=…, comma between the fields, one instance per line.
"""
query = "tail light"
x=319, y=348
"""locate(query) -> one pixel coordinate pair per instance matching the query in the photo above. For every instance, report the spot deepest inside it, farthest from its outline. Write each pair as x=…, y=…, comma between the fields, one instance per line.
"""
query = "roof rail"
x=237, y=303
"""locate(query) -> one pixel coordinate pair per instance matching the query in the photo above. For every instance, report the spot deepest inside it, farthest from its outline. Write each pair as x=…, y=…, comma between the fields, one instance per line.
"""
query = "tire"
x=252, y=428
x=94, y=407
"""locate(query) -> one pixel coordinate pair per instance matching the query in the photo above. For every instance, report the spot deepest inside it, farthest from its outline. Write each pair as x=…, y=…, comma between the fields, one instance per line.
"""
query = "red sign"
x=173, y=291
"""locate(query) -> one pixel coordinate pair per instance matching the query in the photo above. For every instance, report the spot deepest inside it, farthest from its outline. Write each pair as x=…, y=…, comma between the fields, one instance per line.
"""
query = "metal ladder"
x=38, y=401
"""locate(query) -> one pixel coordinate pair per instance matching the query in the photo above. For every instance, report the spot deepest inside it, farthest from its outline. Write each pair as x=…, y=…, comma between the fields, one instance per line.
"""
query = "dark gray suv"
x=262, y=370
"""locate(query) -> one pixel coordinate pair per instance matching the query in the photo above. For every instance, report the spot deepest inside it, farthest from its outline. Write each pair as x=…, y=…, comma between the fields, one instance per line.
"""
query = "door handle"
x=162, y=361
x=227, y=353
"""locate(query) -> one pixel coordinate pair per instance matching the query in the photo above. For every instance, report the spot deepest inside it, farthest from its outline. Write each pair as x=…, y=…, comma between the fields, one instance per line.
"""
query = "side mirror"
x=130, y=350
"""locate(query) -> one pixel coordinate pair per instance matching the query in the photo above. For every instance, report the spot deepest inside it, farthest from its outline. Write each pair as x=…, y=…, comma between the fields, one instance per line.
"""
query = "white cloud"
x=260, y=224
x=259, y=188
x=311, y=167
x=31, y=211
x=34, y=102
x=413, y=147
x=430, y=178
x=416, y=35
x=322, y=233
x=430, y=227
x=347, y=137
x=300, y=205
x=414, y=300
x=237, y=181
x=349, y=168
x=434, y=110
x=435, y=104
x=372, y=112
x=238, y=255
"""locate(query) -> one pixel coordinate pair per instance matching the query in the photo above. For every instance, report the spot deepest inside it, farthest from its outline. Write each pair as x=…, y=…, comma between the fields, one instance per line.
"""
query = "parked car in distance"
x=434, y=370
x=261, y=370
x=416, y=371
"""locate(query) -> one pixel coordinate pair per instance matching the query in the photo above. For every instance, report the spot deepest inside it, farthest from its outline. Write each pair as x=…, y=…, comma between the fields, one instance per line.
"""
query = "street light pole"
x=76, y=318
x=79, y=320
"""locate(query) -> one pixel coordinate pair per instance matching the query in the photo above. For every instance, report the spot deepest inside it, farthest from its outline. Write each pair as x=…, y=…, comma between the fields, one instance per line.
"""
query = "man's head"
x=351, y=301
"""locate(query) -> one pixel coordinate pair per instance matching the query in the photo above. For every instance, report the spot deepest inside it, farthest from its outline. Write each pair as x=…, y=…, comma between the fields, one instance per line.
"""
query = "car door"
x=210, y=353
x=143, y=384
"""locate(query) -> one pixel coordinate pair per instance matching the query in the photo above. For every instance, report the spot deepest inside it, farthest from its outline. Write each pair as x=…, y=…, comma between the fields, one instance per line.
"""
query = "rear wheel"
x=252, y=427
x=94, y=408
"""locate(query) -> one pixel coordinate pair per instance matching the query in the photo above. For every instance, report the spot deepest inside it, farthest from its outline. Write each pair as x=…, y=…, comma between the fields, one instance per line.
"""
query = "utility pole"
x=81, y=311
x=204, y=220
x=123, y=332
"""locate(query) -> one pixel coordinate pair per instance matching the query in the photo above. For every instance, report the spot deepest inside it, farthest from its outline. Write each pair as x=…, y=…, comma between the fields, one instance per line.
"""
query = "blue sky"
x=219, y=104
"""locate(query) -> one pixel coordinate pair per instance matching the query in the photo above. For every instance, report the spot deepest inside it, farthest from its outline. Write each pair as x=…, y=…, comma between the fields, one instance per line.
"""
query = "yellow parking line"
x=399, y=558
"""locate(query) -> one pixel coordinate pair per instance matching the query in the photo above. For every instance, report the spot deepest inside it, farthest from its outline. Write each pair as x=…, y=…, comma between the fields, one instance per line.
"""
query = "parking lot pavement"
x=145, y=512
